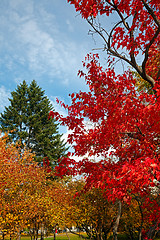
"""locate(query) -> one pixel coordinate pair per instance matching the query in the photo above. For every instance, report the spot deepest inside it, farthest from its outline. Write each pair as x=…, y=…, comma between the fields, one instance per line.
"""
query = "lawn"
x=63, y=236
x=75, y=237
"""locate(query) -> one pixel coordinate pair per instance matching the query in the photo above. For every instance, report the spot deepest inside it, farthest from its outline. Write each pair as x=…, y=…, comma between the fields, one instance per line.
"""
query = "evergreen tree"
x=26, y=119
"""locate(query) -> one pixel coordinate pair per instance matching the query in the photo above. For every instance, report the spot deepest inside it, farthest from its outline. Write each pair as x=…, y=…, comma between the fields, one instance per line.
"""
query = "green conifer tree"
x=26, y=120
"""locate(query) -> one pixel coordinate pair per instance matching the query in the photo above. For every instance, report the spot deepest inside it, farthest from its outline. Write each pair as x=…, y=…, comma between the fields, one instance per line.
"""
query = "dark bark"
x=108, y=38
x=2, y=235
x=116, y=224
x=54, y=236
x=78, y=234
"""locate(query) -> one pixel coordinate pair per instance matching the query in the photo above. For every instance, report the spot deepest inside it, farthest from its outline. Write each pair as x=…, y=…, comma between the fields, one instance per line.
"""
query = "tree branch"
x=147, y=50
x=121, y=16
x=78, y=234
x=151, y=12
x=114, y=52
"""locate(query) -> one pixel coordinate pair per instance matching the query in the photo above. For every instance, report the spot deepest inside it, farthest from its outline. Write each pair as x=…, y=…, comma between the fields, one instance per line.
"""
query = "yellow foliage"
x=27, y=197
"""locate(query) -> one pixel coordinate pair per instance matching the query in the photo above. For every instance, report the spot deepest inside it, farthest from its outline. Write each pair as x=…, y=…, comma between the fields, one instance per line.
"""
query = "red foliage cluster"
x=137, y=10
x=122, y=118
x=119, y=117
x=46, y=164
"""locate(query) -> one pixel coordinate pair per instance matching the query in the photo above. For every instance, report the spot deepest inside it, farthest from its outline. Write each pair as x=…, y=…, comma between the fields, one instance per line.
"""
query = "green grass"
x=60, y=236
x=63, y=236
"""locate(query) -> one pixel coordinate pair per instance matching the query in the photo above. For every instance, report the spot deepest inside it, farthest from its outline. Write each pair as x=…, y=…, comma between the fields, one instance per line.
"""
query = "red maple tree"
x=120, y=117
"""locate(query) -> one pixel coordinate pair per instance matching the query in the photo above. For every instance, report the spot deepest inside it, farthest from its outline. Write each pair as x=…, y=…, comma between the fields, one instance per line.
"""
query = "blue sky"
x=42, y=40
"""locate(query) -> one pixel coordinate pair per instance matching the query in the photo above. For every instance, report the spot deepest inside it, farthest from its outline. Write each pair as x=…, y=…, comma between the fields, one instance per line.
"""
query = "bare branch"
x=121, y=16
x=147, y=50
x=133, y=135
x=132, y=55
x=114, y=52
x=110, y=35
x=151, y=12
x=78, y=234
x=122, y=176
x=158, y=74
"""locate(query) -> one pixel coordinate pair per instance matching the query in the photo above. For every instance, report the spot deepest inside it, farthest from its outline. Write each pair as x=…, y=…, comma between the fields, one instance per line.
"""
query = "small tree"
x=26, y=119
x=28, y=197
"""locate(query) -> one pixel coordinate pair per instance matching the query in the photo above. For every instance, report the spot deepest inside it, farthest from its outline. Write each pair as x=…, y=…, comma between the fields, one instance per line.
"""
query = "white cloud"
x=35, y=40
x=17, y=5
x=70, y=25
x=52, y=54
x=94, y=158
x=4, y=95
x=57, y=107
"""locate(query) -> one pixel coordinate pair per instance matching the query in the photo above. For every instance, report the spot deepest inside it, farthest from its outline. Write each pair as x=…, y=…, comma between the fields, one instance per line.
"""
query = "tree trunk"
x=19, y=235
x=3, y=235
x=140, y=230
x=116, y=224
x=54, y=235
x=42, y=233
x=67, y=235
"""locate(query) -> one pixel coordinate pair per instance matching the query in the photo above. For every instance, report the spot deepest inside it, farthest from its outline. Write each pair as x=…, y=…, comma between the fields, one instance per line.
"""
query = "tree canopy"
x=120, y=117
x=29, y=199
x=26, y=119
